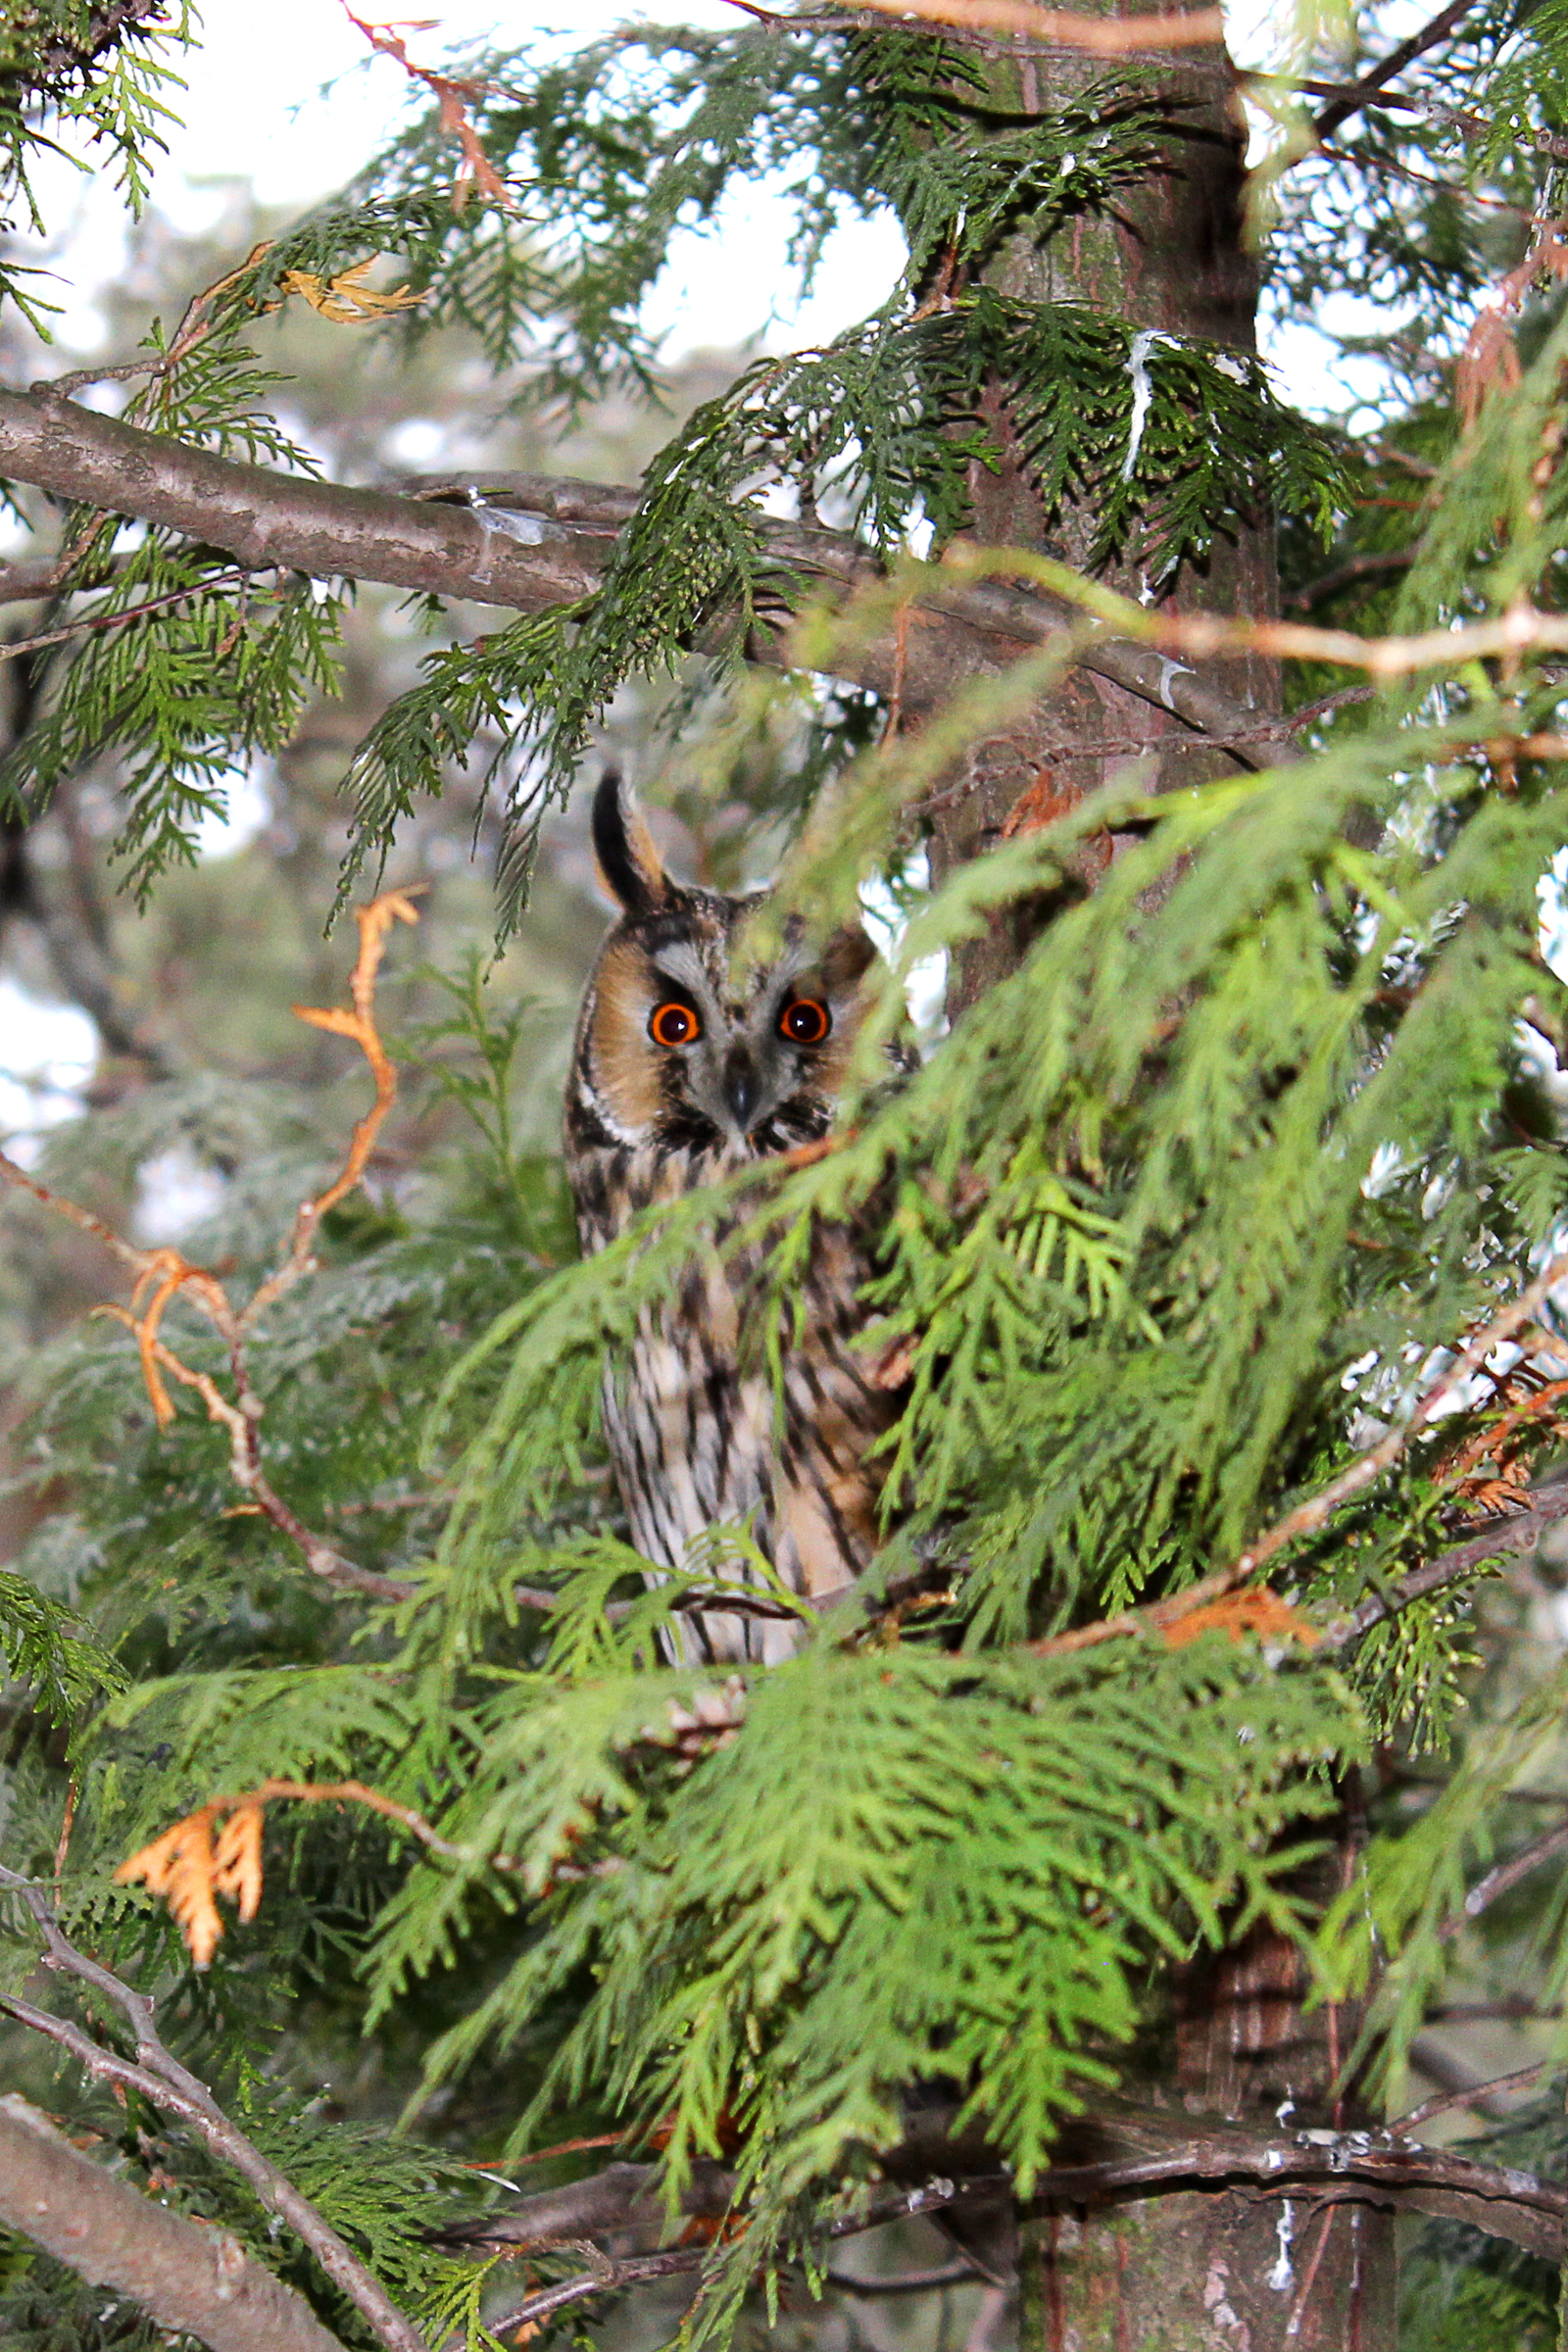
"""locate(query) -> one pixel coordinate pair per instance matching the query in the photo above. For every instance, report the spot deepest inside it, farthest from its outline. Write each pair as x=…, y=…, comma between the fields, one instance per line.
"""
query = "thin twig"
x=1521, y=1533
x=162, y=1275
x=1440, y=2104
x=375, y=922
x=1348, y=575
x=12, y=649
x=1507, y=1875
x=906, y=2282
x=169, y=2084
x=935, y=2197
x=323, y=1559
x=1339, y=110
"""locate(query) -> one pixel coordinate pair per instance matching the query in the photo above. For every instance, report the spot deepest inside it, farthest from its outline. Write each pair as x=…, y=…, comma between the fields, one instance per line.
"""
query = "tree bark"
x=183, y=2273
x=1228, y=2270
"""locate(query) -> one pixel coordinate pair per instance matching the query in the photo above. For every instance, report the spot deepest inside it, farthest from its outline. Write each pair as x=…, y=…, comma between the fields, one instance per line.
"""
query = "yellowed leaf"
x=348, y=298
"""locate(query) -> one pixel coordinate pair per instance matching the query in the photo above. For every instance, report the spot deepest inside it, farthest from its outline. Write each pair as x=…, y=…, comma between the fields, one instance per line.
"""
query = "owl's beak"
x=742, y=1090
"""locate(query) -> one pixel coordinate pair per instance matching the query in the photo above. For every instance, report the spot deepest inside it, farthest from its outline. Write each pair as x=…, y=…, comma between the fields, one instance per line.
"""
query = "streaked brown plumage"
x=685, y=1069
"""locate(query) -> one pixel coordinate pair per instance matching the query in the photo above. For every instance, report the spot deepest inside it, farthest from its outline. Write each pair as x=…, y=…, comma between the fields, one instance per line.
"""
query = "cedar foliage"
x=1184, y=1265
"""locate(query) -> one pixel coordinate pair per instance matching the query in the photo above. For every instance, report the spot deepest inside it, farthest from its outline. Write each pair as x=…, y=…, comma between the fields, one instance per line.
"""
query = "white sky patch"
x=174, y=1193
x=248, y=811
x=1550, y=892
x=291, y=100
x=925, y=986
x=47, y=1055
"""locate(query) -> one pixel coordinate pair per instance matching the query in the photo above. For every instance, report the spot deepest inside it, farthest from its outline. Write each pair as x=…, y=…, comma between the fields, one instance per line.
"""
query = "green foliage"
x=1188, y=1209
x=101, y=71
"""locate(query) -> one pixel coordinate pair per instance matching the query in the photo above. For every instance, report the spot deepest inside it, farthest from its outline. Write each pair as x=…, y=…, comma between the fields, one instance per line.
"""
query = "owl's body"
x=683, y=1072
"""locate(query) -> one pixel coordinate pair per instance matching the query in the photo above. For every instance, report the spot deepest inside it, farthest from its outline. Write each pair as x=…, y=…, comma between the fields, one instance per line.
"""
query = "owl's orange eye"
x=804, y=1022
x=674, y=1024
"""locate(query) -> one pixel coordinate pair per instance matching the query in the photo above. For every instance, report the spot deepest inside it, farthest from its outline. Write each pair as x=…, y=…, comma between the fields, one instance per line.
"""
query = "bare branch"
x=1330, y=2166
x=185, y=2275
x=457, y=542
x=1350, y=102
x=1060, y=29
x=173, y=2086
x=1474, y=2094
x=1507, y=1875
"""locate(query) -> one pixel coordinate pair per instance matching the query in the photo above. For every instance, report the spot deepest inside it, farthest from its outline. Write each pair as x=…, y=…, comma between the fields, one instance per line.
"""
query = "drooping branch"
x=158, y=2075
x=185, y=2275
x=1350, y=102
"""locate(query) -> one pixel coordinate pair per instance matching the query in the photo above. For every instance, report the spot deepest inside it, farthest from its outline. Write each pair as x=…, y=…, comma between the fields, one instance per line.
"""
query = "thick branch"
x=185, y=2275
x=538, y=543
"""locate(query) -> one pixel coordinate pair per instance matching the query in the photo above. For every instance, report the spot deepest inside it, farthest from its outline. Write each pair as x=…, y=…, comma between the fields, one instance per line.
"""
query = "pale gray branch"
x=183, y=2273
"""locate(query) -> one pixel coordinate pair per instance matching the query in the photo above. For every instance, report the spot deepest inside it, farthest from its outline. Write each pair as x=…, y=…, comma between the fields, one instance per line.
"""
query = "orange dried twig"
x=191, y=1867
x=1486, y=1441
x=164, y=1274
x=375, y=923
x=454, y=96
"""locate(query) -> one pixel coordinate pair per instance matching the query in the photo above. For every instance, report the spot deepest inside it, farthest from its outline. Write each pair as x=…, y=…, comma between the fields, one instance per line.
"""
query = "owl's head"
x=684, y=1044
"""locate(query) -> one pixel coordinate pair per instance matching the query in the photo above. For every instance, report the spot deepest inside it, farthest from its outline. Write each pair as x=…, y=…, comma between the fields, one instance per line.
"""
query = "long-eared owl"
x=686, y=1067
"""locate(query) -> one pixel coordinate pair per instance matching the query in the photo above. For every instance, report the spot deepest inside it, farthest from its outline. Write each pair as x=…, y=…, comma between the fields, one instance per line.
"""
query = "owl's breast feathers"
x=690, y=1064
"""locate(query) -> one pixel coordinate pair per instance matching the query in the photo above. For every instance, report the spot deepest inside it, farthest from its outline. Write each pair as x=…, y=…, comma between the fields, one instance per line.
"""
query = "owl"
x=686, y=1067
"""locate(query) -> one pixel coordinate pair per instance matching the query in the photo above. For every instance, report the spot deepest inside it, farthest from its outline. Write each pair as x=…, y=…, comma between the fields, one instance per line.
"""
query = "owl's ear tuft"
x=845, y=959
x=625, y=848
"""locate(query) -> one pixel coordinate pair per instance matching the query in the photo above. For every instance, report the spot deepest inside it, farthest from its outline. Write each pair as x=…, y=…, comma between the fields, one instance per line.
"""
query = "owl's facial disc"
x=688, y=1041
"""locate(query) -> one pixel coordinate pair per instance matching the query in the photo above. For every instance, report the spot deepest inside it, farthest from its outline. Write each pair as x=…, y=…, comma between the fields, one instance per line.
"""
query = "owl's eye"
x=804, y=1022
x=674, y=1024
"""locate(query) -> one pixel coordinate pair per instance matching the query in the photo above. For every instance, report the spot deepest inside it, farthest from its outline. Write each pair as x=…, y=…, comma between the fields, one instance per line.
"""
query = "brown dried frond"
x=180, y=1867
x=1494, y=1443
x=347, y=300
x=191, y=1867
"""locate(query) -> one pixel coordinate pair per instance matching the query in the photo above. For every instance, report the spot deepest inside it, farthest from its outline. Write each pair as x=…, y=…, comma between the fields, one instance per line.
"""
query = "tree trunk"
x=1229, y=2271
